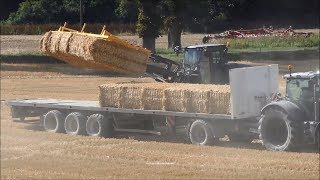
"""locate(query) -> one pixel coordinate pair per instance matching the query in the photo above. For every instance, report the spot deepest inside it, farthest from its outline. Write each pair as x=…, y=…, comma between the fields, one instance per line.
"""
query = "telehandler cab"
x=204, y=64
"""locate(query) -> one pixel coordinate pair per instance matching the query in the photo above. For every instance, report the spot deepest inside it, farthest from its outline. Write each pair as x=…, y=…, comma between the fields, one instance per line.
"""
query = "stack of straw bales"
x=196, y=98
x=95, y=51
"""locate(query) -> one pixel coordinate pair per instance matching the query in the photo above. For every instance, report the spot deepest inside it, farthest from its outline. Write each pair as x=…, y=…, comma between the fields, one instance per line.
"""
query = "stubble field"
x=29, y=153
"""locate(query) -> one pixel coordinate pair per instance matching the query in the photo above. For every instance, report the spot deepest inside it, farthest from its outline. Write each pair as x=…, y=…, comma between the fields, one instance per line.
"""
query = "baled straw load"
x=100, y=52
x=196, y=98
x=146, y=96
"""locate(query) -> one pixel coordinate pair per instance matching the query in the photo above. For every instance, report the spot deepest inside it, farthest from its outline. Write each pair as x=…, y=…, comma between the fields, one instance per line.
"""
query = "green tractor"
x=292, y=121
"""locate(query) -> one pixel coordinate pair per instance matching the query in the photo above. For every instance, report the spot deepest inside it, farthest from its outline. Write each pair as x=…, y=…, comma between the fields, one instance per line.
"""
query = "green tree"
x=37, y=11
x=180, y=14
x=52, y=11
x=173, y=17
x=127, y=10
x=204, y=14
x=149, y=22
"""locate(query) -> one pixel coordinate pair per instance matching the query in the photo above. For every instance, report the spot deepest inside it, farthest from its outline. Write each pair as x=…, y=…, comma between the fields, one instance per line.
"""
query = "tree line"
x=153, y=16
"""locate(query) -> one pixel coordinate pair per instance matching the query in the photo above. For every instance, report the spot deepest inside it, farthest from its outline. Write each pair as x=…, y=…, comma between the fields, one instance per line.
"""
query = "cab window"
x=216, y=56
x=191, y=57
x=296, y=87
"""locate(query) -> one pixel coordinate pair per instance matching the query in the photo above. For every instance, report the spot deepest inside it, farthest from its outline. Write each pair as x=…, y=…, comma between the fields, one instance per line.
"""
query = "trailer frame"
x=93, y=106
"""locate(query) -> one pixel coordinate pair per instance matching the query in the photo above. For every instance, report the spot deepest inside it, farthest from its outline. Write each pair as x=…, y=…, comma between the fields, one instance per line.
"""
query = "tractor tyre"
x=75, y=124
x=280, y=133
x=53, y=122
x=200, y=133
x=99, y=125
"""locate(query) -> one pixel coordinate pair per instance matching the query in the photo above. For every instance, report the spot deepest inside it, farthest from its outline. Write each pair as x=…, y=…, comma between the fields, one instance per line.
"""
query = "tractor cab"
x=207, y=63
x=303, y=89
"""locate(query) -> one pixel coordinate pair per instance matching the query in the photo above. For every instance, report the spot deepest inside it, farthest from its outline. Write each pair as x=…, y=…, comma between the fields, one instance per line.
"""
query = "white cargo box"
x=251, y=89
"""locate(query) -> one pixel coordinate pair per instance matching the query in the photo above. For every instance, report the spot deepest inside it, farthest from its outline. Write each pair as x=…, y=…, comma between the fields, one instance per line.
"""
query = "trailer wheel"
x=278, y=132
x=54, y=122
x=99, y=125
x=75, y=124
x=200, y=133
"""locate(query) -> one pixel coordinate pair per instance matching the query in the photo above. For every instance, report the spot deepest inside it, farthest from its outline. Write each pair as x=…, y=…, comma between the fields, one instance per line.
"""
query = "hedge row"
x=37, y=29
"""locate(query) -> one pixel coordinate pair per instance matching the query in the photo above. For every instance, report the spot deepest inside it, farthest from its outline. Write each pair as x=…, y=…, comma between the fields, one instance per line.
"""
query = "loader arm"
x=163, y=70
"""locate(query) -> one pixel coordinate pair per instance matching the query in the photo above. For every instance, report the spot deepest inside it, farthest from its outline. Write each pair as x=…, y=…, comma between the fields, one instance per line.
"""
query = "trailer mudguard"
x=294, y=112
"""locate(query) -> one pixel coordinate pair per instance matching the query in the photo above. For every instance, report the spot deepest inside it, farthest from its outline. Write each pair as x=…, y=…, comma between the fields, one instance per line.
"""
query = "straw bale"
x=90, y=51
x=176, y=99
x=199, y=101
x=109, y=95
x=152, y=96
x=197, y=98
x=130, y=97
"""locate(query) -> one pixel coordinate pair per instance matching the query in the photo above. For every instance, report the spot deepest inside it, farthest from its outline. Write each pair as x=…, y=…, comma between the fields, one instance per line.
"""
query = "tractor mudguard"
x=294, y=112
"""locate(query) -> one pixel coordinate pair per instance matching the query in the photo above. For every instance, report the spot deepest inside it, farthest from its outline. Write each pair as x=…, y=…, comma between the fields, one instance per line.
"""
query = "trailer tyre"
x=99, y=125
x=200, y=133
x=75, y=124
x=54, y=122
x=279, y=133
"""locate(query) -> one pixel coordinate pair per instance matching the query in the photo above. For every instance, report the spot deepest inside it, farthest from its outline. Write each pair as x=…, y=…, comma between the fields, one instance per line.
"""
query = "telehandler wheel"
x=279, y=133
x=99, y=125
x=54, y=122
x=200, y=133
x=75, y=124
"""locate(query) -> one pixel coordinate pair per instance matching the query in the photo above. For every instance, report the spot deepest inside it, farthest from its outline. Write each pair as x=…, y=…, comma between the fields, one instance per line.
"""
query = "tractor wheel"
x=200, y=133
x=279, y=133
x=99, y=125
x=54, y=122
x=75, y=124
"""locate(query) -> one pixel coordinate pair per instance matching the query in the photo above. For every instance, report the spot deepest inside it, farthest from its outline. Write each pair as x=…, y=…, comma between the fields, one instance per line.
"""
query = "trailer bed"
x=94, y=106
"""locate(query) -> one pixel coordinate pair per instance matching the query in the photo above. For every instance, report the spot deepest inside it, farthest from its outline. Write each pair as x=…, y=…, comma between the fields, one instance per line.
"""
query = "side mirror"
x=290, y=67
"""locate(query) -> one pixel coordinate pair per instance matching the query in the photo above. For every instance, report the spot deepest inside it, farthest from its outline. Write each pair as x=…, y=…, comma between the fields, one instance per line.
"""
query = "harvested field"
x=96, y=52
x=214, y=99
x=29, y=153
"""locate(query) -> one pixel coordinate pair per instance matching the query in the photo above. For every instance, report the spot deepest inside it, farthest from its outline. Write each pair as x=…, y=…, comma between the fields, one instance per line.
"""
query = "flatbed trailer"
x=251, y=88
x=162, y=122
x=26, y=108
